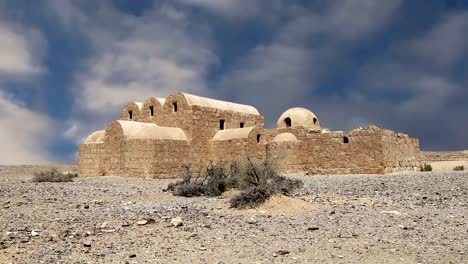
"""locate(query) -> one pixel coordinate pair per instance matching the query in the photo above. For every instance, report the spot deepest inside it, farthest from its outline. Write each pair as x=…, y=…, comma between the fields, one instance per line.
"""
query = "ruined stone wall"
x=401, y=153
x=89, y=159
x=150, y=158
x=327, y=153
x=432, y=156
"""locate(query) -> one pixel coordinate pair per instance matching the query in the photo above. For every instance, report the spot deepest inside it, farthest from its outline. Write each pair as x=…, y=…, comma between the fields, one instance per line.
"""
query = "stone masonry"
x=155, y=138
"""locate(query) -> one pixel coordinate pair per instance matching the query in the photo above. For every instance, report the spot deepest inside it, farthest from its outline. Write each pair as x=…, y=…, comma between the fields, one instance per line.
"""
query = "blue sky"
x=67, y=67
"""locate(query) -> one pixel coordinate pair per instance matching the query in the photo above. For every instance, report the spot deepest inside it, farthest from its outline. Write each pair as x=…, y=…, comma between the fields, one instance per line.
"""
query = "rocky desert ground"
x=398, y=218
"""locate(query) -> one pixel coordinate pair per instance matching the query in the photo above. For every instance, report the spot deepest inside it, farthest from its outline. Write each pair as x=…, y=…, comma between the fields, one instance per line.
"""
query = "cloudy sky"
x=68, y=66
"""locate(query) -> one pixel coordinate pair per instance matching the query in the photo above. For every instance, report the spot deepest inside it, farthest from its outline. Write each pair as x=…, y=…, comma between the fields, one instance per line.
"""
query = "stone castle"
x=153, y=139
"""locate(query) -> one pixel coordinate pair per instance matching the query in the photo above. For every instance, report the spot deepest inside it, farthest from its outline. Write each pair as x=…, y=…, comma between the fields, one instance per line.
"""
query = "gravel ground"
x=398, y=218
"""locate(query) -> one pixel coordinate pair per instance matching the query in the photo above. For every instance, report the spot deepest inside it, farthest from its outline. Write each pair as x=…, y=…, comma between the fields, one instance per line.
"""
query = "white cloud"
x=23, y=134
x=134, y=58
x=284, y=72
x=20, y=51
x=241, y=8
x=352, y=19
x=444, y=44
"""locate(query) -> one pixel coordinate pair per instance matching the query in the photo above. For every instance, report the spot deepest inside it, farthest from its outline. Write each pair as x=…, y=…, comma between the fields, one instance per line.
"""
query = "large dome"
x=298, y=117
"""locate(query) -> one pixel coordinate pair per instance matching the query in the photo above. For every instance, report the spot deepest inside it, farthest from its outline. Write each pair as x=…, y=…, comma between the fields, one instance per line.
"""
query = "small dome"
x=284, y=137
x=298, y=117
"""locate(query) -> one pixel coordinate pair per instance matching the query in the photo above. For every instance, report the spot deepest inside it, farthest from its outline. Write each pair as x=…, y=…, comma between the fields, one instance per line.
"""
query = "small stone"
x=391, y=212
x=103, y=225
x=282, y=252
x=125, y=224
x=142, y=222
x=86, y=206
x=87, y=243
x=252, y=221
x=177, y=222
x=35, y=233
x=132, y=256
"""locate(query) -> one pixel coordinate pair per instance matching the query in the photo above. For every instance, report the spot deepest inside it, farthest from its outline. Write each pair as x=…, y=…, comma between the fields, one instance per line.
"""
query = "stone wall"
x=238, y=148
x=401, y=153
x=89, y=159
x=431, y=156
x=149, y=158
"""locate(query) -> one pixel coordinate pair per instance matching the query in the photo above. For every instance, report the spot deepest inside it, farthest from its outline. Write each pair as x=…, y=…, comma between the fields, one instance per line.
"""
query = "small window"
x=174, y=106
x=221, y=124
x=258, y=138
x=315, y=120
x=130, y=114
x=345, y=140
x=151, y=110
x=242, y=125
x=288, y=122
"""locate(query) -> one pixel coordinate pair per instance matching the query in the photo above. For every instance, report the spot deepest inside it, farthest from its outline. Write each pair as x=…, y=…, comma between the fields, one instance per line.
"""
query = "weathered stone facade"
x=153, y=139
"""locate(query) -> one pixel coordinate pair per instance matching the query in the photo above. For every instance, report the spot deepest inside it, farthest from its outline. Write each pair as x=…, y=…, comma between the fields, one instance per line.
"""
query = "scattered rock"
x=142, y=222
x=35, y=233
x=391, y=212
x=252, y=221
x=177, y=222
x=313, y=228
x=87, y=243
x=282, y=252
x=132, y=256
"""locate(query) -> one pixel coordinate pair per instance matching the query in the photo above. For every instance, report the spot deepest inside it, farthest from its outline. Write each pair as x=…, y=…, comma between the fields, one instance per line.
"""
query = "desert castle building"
x=153, y=139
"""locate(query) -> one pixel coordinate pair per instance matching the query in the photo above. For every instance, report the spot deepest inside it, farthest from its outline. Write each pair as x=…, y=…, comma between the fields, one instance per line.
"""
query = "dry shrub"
x=426, y=167
x=53, y=176
x=459, y=168
x=250, y=198
x=212, y=184
x=257, y=181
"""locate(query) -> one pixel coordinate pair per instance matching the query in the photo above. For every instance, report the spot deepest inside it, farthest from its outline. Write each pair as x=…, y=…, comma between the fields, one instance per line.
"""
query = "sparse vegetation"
x=256, y=180
x=459, y=168
x=426, y=167
x=54, y=175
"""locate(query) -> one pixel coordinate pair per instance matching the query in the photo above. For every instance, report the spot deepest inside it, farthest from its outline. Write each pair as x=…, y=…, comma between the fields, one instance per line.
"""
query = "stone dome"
x=284, y=137
x=298, y=117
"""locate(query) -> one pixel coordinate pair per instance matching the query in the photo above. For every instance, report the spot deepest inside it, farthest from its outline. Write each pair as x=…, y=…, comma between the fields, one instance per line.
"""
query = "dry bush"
x=212, y=184
x=250, y=198
x=257, y=181
x=53, y=176
x=426, y=167
x=459, y=168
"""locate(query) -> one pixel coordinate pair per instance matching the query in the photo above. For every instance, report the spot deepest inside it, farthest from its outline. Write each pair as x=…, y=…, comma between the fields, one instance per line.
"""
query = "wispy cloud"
x=21, y=50
x=134, y=58
x=24, y=134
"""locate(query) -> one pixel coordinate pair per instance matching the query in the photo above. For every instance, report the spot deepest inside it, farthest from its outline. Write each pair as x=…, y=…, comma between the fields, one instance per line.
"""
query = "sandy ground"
x=398, y=218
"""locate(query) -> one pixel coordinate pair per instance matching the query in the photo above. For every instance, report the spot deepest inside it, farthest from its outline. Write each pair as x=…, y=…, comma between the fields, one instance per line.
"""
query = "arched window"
x=258, y=138
x=130, y=114
x=345, y=140
x=174, y=106
x=315, y=120
x=151, y=110
x=288, y=122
